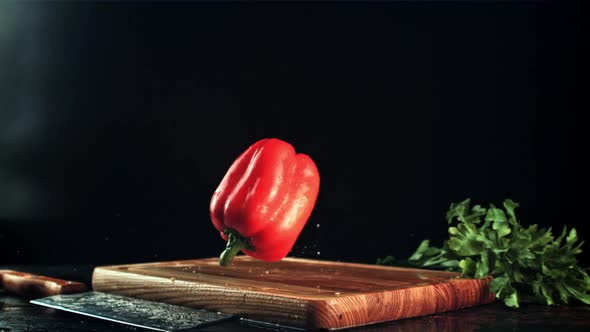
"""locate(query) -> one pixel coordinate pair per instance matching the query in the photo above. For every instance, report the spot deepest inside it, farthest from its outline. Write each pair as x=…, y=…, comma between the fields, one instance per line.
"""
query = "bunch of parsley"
x=527, y=263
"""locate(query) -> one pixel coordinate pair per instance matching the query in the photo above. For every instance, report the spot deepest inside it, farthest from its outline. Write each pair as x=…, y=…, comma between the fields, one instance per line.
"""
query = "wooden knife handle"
x=26, y=284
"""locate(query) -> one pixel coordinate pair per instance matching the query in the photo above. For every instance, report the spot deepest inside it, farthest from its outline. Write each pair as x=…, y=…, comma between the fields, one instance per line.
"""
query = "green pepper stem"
x=235, y=243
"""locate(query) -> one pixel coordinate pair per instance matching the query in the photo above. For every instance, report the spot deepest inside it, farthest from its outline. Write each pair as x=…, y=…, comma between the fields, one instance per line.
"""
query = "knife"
x=74, y=296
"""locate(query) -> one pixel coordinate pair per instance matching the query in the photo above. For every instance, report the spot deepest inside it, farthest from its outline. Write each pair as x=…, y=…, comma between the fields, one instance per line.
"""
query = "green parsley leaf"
x=526, y=262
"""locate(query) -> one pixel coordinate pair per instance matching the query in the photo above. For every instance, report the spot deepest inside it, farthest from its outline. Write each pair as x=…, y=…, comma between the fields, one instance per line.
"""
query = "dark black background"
x=118, y=120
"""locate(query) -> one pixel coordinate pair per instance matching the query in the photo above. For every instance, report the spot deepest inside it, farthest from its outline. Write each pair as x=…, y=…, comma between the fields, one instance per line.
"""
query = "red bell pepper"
x=264, y=201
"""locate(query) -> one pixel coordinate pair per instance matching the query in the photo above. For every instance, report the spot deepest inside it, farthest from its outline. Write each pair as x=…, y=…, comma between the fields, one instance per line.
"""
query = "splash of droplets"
x=308, y=245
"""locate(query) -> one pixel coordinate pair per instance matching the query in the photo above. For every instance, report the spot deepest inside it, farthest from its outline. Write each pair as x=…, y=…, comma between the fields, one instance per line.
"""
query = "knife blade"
x=149, y=315
x=74, y=297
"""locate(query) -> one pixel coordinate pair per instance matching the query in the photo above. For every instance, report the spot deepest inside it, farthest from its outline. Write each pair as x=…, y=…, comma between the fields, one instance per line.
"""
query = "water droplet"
x=318, y=253
x=317, y=225
x=337, y=293
x=266, y=272
x=194, y=271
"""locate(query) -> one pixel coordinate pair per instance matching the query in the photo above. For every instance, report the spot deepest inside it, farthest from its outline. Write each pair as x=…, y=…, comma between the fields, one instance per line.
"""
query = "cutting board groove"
x=305, y=293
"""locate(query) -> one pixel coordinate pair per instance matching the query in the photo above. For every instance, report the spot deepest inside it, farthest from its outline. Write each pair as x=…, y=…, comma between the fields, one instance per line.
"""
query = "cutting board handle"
x=31, y=285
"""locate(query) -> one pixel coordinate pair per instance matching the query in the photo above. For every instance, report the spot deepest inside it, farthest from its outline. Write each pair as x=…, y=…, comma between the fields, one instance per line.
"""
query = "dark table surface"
x=16, y=314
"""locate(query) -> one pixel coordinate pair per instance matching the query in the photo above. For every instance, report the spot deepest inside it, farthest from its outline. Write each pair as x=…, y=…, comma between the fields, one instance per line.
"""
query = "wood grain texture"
x=298, y=292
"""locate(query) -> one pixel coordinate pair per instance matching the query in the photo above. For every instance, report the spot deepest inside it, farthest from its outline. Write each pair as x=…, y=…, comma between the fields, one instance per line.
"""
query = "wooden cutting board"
x=297, y=292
